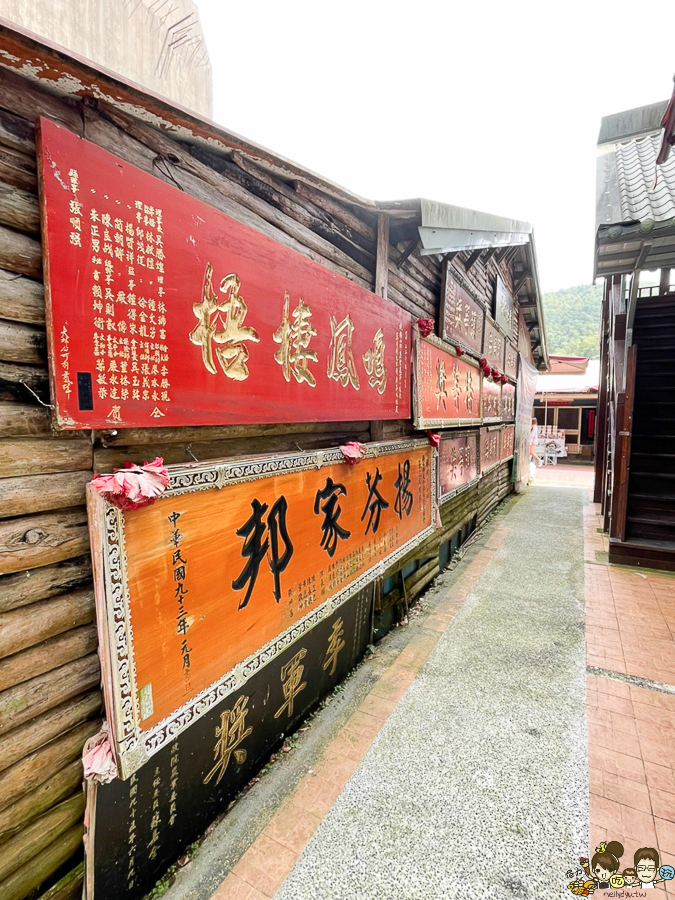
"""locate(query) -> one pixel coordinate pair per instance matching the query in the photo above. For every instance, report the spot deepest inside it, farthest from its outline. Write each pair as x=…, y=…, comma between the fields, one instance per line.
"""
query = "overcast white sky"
x=494, y=106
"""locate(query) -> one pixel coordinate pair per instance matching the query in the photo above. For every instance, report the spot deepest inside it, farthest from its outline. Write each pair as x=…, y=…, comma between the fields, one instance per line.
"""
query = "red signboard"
x=508, y=401
x=504, y=311
x=493, y=345
x=447, y=386
x=457, y=463
x=511, y=360
x=508, y=438
x=164, y=311
x=462, y=317
x=490, y=448
x=492, y=400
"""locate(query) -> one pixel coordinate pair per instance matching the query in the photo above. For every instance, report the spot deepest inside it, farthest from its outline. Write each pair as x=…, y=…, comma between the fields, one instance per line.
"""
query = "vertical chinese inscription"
x=179, y=565
x=64, y=353
x=155, y=821
x=131, y=834
x=173, y=796
x=125, y=245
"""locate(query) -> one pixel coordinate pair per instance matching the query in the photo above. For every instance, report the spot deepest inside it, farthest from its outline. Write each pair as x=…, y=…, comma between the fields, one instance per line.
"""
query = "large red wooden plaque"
x=462, y=317
x=457, y=463
x=493, y=345
x=511, y=360
x=235, y=562
x=447, y=386
x=492, y=400
x=490, y=448
x=508, y=401
x=164, y=311
x=508, y=439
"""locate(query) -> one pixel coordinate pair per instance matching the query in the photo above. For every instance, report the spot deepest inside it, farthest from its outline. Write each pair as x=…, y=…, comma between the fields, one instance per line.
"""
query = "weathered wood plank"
x=23, y=383
x=40, y=621
x=26, y=739
x=35, y=457
x=17, y=133
x=19, y=209
x=34, y=839
x=67, y=888
x=20, y=883
x=20, y=253
x=18, y=170
x=21, y=420
x=56, y=785
x=34, y=697
x=336, y=209
x=26, y=99
x=42, y=539
x=382, y=259
x=106, y=460
x=36, y=493
x=22, y=343
x=128, y=437
x=21, y=299
x=31, y=585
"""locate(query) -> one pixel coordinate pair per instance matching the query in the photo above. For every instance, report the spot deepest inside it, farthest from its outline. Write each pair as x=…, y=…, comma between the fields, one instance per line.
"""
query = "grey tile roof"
x=635, y=169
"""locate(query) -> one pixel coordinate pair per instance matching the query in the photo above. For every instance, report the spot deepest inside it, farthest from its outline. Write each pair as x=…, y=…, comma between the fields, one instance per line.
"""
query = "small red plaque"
x=458, y=463
x=463, y=317
x=490, y=448
x=492, y=399
x=508, y=437
x=493, y=345
x=448, y=387
x=508, y=402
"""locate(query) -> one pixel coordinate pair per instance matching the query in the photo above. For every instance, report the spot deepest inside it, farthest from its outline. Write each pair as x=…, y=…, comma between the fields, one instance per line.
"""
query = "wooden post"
x=664, y=283
x=600, y=448
x=382, y=260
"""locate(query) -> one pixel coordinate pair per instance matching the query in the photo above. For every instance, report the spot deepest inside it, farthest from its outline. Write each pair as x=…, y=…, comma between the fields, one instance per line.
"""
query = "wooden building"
x=412, y=253
x=567, y=401
x=635, y=465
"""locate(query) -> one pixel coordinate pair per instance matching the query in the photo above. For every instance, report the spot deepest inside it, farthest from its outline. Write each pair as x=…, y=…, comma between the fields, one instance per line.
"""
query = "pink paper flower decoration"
x=353, y=452
x=97, y=758
x=133, y=487
x=459, y=351
x=482, y=362
x=426, y=327
x=434, y=438
x=495, y=374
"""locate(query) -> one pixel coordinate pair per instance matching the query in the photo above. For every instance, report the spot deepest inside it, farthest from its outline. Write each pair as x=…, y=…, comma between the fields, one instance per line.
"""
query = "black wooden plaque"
x=143, y=825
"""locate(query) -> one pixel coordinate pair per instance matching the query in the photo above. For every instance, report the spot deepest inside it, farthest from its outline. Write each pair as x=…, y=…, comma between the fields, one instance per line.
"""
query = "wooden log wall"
x=50, y=702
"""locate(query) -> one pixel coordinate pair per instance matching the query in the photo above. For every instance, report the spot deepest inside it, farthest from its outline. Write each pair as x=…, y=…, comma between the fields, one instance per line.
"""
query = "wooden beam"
x=521, y=282
x=472, y=259
x=382, y=258
x=407, y=252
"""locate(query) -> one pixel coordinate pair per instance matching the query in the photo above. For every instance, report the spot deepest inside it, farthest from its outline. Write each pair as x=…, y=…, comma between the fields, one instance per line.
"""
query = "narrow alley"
x=477, y=740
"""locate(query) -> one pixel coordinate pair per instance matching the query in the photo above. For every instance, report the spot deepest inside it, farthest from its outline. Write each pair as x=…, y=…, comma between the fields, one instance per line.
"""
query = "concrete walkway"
x=476, y=786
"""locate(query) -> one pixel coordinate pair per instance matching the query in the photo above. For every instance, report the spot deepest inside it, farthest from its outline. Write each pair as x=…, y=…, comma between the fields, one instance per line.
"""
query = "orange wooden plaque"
x=233, y=563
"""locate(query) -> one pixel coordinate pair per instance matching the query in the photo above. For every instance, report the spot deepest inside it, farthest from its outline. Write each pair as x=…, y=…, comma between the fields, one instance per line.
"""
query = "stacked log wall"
x=50, y=701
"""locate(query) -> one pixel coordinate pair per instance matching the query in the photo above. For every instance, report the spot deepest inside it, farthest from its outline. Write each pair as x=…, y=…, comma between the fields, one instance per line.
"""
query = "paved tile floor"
x=630, y=635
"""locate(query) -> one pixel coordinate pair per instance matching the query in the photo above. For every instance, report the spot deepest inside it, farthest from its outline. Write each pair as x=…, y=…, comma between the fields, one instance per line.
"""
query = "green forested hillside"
x=572, y=318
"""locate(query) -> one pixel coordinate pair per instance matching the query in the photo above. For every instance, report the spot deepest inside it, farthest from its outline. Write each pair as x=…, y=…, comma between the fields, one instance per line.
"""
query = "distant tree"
x=572, y=318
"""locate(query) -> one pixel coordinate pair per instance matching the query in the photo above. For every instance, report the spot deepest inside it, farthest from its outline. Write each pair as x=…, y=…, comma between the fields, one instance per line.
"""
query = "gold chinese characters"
x=222, y=322
x=293, y=355
x=229, y=735
x=341, y=365
x=373, y=361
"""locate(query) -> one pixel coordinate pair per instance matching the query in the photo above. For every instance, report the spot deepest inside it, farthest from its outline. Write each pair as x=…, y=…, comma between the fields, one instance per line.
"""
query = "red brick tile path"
x=264, y=866
x=630, y=628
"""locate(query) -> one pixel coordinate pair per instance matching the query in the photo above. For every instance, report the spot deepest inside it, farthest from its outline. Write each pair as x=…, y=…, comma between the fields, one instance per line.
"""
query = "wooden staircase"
x=650, y=512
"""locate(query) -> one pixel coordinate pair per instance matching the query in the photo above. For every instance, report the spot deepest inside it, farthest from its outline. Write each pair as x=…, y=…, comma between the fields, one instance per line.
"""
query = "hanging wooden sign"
x=493, y=345
x=163, y=311
x=490, y=448
x=139, y=827
x=447, y=386
x=234, y=562
x=461, y=317
x=457, y=463
x=507, y=445
x=503, y=307
x=511, y=360
x=508, y=402
x=492, y=399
